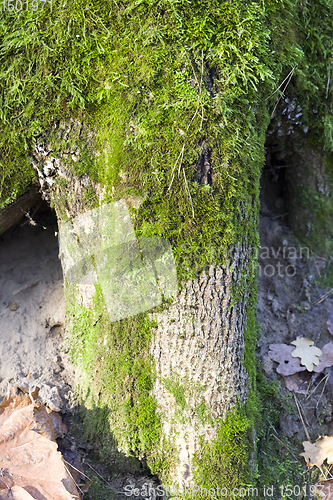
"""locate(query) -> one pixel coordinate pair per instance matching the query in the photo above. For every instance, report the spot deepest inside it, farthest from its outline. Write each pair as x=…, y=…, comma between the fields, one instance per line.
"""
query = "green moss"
x=118, y=378
x=279, y=463
x=153, y=81
x=177, y=390
x=218, y=464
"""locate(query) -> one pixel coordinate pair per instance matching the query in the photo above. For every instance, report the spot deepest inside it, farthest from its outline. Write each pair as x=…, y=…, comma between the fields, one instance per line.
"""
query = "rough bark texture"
x=200, y=339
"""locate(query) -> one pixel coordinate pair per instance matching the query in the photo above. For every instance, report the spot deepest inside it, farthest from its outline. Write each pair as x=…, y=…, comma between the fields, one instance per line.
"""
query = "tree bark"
x=200, y=340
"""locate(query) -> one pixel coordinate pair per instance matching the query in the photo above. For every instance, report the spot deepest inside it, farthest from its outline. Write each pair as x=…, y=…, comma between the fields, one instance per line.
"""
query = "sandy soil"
x=32, y=312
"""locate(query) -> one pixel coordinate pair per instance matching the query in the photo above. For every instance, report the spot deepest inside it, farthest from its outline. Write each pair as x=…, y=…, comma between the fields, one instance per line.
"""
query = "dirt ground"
x=293, y=301
x=32, y=312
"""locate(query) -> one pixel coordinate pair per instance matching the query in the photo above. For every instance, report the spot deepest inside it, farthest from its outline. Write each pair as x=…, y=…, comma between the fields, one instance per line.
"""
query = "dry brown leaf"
x=74, y=466
x=330, y=323
x=307, y=352
x=294, y=384
x=324, y=489
x=59, y=427
x=281, y=353
x=325, y=359
x=28, y=452
x=15, y=493
x=318, y=452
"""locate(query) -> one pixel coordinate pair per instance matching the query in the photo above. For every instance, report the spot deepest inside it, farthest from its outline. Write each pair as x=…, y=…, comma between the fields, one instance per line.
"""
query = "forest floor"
x=293, y=301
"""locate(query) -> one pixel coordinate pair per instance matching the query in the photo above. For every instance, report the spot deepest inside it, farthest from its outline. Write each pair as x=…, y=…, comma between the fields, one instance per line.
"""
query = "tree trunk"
x=195, y=353
x=199, y=346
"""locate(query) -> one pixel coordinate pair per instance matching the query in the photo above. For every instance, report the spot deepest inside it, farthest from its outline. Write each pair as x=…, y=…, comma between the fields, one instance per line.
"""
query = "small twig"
x=328, y=473
x=173, y=170
x=328, y=81
x=202, y=110
x=322, y=472
x=181, y=160
x=313, y=391
x=195, y=114
x=281, y=84
x=202, y=116
x=301, y=407
x=189, y=193
x=33, y=214
x=299, y=411
x=291, y=74
x=307, y=470
x=278, y=439
x=99, y=475
x=25, y=287
x=201, y=72
x=83, y=474
x=271, y=426
x=31, y=221
x=73, y=480
x=323, y=297
x=326, y=380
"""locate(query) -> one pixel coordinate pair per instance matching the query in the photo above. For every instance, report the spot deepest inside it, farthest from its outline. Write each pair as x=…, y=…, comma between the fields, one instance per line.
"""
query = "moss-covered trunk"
x=177, y=382
x=164, y=106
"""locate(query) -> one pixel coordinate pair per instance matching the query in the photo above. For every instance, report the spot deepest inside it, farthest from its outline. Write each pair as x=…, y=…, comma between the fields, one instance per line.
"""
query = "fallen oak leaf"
x=281, y=353
x=59, y=427
x=28, y=452
x=307, y=352
x=294, y=384
x=326, y=358
x=316, y=453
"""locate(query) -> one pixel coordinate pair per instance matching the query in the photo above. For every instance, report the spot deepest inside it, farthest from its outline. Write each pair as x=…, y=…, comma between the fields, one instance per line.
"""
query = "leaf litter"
x=31, y=465
x=316, y=453
x=307, y=351
x=281, y=353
